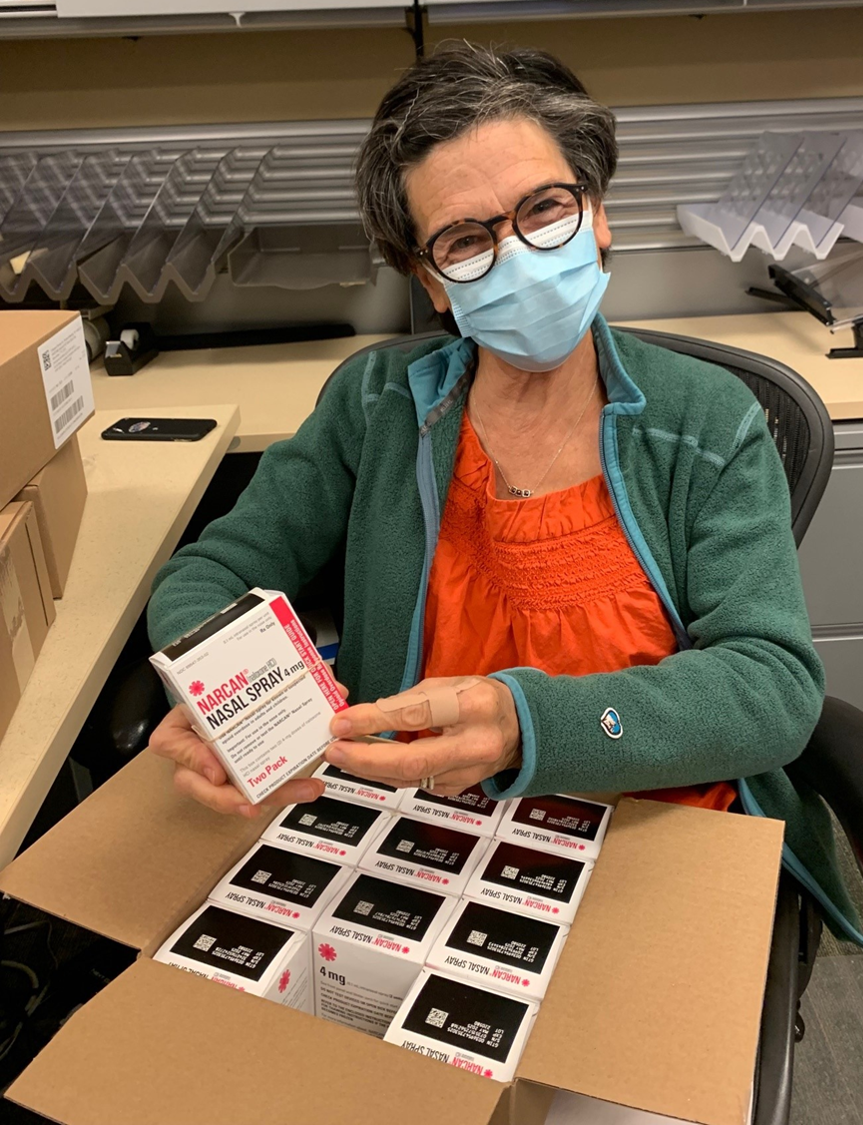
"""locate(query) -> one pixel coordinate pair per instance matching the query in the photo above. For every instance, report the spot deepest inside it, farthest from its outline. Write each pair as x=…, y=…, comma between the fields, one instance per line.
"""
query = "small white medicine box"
x=243, y=953
x=543, y=884
x=423, y=854
x=566, y=825
x=281, y=886
x=471, y=1028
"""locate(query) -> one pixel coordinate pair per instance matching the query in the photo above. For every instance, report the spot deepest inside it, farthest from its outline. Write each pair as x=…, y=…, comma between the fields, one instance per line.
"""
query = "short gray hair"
x=458, y=87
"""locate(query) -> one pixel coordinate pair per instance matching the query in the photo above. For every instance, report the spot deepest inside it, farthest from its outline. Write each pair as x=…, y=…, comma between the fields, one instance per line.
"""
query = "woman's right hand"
x=198, y=772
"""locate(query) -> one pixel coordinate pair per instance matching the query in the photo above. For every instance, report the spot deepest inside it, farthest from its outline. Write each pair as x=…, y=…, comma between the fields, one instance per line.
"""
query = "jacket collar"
x=434, y=376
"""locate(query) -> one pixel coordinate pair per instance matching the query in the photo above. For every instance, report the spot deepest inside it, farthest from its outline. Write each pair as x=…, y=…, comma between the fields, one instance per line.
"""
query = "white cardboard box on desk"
x=340, y=831
x=243, y=953
x=467, y=1027
x=369, y=947
x=662, y=978
x=423, y=854
x=256, y=689
x=543, y=884
x=499, y=949
x=471, y=810
x=280, y=886
x=350, y=788
x=566, y=825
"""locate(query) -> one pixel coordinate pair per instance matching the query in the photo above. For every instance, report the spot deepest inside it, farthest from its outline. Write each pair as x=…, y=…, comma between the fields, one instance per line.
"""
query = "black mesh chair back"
x=796, y=416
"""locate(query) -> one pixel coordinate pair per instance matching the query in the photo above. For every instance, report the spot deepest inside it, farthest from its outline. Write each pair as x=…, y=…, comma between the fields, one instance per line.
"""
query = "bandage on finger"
x=442, y=702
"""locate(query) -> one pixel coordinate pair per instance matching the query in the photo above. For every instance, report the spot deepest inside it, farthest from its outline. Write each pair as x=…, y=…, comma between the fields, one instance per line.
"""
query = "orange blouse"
x=549, y=582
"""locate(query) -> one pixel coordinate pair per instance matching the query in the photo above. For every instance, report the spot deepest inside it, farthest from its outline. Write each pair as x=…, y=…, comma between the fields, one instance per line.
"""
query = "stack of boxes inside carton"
x=432, y=922
x=45, y=397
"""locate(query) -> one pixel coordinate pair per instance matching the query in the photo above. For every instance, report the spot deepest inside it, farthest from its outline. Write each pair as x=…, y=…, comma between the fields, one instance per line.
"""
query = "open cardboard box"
x=655, y=1003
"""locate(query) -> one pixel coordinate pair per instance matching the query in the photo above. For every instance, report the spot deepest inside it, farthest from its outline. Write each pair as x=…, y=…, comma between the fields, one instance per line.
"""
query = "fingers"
x=438, y=702
x=174, y=738
x=200, y=775
x=408, y=762
x=298, y=792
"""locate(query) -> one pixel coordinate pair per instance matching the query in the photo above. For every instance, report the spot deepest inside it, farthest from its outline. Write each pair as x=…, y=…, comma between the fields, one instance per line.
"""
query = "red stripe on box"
x=308, y=653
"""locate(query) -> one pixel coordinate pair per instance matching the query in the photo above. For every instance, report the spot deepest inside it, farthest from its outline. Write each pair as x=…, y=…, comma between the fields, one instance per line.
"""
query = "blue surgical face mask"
x=533, y=309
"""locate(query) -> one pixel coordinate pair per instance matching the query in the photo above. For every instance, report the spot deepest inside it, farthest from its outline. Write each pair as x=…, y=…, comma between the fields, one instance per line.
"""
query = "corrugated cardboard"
x=26, y=607
x=656, y=1001
x=58, y=493
x=26, y=430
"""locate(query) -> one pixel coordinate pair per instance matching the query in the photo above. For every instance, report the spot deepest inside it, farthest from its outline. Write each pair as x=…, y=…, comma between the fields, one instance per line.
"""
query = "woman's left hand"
x=482, y=740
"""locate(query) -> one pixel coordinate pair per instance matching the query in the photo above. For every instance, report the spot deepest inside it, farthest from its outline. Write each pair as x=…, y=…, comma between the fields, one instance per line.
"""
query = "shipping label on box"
x=471, y=810
x=567, y=825
x=350, y=788
x=543, y=884
x=423, y=854
x=369, y=947
x=281, y=886
x=499, y=949
x=471, y=1028
x=243, y=953
x=256, y=689
x=66, y=375
x=328, y=828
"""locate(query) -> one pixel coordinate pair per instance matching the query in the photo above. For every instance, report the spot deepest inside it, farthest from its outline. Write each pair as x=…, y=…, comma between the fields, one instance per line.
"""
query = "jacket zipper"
x=646, y=565
x=431, y=524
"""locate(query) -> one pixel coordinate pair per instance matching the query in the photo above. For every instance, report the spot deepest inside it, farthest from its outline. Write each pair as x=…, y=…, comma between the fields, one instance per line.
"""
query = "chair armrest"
x=832, y=764
x=775, y=1063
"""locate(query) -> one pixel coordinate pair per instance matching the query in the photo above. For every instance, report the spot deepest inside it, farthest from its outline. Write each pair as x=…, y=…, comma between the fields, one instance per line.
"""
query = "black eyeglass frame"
x=425, y=253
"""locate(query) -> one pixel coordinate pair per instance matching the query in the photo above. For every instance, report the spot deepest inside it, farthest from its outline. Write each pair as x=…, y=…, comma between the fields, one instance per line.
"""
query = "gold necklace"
x=524, y=493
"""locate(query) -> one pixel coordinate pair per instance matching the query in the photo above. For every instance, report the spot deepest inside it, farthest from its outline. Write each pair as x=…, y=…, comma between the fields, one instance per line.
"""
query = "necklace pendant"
x=522, y=493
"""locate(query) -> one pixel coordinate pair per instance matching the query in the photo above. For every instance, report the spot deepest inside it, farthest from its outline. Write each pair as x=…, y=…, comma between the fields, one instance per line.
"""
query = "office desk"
x=141, y=496
x=275, y=385
x=795, y=339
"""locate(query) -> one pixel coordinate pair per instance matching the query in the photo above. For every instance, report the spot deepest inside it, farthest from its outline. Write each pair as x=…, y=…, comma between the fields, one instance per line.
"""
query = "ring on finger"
x=427, y=783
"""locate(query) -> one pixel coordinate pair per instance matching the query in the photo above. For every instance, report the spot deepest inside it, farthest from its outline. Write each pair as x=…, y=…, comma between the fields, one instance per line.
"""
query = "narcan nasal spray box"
x=368, y=948
x=350, y=788
x=243, y=953
x=471, y=810
x=281, y=886
x=566, y=825
x=542, y=884
x=330, y=829
x=499, y=949
x=423, y=854
x=472, y=1028
x=256, y=689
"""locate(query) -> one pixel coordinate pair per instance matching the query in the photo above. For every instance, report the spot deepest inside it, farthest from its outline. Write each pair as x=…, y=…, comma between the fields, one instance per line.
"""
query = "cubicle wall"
x=831, y=562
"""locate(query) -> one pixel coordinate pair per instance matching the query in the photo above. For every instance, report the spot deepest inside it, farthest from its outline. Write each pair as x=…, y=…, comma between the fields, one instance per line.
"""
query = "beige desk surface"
x=141, y=498
x=275, y=385
x=795, y=339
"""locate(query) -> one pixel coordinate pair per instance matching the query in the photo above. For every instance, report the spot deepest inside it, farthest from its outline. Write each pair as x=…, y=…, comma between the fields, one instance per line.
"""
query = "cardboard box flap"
x=132, y=858
x=158, y=1045
x=679, y=895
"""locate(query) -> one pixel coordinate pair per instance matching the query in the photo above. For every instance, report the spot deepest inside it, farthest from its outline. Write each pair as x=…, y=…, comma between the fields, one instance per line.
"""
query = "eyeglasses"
x=546, y=219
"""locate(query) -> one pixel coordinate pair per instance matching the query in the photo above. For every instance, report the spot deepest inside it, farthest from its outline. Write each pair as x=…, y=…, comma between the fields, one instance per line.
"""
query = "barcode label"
x=66, y=391
x=66, y=379
x=437, y=1017
x=63, y=420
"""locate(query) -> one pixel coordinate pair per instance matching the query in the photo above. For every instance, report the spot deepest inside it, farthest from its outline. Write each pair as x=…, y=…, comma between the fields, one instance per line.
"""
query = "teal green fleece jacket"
x=700, y=491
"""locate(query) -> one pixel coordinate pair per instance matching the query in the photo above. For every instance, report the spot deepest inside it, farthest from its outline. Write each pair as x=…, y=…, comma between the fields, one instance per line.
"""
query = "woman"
x=570, y=549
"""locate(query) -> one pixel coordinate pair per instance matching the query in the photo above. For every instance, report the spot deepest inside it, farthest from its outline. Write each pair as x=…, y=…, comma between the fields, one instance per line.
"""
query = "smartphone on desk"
x=159, y=429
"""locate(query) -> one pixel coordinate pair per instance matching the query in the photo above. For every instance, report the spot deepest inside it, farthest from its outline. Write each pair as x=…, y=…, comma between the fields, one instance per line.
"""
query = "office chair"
x=832, y=763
